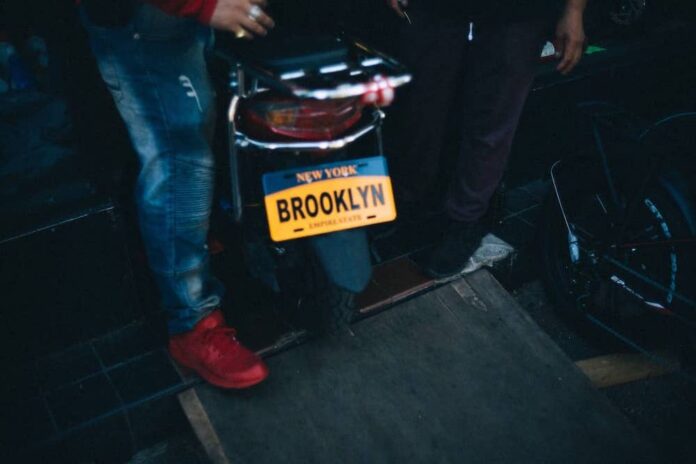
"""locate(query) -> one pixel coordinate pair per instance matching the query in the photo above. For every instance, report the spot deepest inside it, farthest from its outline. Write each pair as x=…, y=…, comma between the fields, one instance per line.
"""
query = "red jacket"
x=199, y=9
x=202, y=10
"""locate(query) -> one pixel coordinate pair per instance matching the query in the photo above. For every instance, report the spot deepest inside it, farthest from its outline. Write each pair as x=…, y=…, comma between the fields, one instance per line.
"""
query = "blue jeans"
x=156, y=71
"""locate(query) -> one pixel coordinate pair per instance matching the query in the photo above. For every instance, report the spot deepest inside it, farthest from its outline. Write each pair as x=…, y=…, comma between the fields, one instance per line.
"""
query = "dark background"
x=72, y=278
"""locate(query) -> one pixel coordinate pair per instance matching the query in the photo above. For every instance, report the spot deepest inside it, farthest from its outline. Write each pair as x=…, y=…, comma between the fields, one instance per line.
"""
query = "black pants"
x=490, y=77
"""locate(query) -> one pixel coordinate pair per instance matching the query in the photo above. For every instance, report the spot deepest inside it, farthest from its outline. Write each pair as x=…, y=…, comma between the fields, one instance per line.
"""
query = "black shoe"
x=451, y=255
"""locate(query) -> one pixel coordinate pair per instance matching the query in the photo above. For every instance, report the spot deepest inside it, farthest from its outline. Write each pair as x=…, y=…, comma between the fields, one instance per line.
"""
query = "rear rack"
x=348, y=73
x=309, y=67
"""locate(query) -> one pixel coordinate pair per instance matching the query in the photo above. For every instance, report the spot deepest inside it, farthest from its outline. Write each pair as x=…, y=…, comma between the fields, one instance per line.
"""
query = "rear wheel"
x=322, y=307
x=334, y=308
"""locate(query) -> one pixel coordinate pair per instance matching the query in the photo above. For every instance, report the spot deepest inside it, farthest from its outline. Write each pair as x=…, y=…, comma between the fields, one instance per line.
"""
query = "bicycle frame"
x=626, y=210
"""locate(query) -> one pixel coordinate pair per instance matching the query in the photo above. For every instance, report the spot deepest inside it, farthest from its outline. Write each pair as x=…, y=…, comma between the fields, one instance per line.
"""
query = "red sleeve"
x=199, y=9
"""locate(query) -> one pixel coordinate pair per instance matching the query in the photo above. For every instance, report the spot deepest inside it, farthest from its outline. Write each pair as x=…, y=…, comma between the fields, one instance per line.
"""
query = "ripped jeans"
x=156, y=71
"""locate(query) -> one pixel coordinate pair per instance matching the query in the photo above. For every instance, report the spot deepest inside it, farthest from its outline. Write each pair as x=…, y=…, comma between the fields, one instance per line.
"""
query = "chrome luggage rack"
x=315, y=68
x=345, y=70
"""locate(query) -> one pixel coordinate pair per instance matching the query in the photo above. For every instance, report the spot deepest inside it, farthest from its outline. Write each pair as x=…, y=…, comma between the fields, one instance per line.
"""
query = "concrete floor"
x=662, y=408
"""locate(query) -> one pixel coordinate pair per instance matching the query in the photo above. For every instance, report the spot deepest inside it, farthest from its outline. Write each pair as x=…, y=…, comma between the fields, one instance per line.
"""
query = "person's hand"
x=570, y=39
x=238, y=16
x=397, y=5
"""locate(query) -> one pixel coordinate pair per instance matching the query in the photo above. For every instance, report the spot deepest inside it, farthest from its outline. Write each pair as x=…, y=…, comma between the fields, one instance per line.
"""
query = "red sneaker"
x=212, y=350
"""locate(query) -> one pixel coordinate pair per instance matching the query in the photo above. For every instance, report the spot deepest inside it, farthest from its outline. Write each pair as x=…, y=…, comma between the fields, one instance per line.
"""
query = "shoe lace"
x=221, y=341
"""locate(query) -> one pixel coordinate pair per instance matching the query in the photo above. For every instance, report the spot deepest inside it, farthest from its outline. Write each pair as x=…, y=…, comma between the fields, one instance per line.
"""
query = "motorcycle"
x=304, y=181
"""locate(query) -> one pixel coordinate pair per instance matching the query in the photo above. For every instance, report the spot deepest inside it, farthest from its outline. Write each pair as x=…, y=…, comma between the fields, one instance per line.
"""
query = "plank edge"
x=202, y=426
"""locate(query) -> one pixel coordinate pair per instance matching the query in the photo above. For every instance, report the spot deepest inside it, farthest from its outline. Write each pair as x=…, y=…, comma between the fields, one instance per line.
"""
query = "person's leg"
x=432, y=48
x=500, y=64
x=155, y=68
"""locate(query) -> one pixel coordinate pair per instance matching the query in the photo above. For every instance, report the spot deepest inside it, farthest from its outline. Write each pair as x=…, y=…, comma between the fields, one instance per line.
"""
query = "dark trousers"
x=489, y=78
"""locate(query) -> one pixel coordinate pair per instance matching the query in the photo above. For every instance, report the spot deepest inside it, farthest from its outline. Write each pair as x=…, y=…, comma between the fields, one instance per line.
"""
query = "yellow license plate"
x=328, y=198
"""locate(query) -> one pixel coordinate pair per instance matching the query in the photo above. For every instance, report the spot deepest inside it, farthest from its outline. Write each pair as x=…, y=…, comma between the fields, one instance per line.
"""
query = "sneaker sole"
x=221, y=382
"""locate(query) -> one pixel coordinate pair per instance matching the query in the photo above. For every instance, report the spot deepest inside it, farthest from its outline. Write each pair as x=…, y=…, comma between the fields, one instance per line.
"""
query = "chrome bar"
x=235, y=187
x=244, y=141
x=656, y=285
x=348, y=90
x=337, y=80
x=573, y=243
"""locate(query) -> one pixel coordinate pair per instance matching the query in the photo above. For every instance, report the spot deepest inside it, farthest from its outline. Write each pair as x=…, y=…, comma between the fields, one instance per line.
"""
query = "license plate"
x=328, y=198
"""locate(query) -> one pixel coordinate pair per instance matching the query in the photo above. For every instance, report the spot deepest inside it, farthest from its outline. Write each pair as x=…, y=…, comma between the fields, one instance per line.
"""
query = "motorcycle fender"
x=345, y=257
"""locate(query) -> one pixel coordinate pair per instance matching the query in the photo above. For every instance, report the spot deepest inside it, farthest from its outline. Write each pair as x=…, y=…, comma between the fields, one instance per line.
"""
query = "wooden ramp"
x=457, y=375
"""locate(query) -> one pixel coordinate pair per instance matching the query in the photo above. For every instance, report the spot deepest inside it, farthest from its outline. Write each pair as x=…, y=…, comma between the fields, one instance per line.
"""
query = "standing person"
x=152, y=57
x=488, y=51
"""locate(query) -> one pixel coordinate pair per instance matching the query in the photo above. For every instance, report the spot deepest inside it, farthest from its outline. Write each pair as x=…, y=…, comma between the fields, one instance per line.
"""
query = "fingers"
x=266, y=21
x=570, y=35
x=565, y=52
x=256, y=20
x=572, y=53
x=244, y=18
x=253, y=26
x=575, y=59
x=569, y=63
x=559, y=47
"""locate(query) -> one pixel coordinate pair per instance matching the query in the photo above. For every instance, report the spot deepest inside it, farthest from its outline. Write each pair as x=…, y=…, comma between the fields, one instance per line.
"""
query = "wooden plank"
x=392, y=282
x=200, y=422
x=459, y=374
x=468, y=294
x=617, y=369
x=504, y=307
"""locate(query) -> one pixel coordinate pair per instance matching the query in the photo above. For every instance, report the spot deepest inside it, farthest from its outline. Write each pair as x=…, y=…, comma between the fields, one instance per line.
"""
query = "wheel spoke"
x=660, y=243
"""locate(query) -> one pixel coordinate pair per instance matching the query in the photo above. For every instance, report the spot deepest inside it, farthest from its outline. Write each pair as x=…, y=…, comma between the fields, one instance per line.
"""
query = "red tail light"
x=274, y=116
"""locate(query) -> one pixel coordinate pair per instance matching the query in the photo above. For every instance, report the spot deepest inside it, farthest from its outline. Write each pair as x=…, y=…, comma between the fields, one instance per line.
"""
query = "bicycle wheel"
x=613, y=280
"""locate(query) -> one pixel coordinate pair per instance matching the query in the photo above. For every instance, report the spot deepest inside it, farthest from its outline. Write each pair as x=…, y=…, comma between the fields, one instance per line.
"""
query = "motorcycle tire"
x=336, y=307
x=324, y=307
